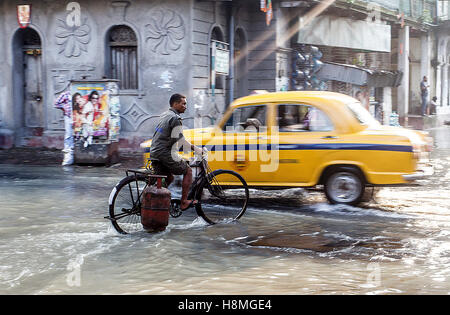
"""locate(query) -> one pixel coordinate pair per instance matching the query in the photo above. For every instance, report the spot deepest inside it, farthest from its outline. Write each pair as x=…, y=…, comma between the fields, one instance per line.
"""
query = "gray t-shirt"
x=167, y=133
x=424, y=88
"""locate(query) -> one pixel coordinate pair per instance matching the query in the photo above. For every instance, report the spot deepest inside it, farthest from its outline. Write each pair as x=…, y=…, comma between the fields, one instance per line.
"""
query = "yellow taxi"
x=305, y=139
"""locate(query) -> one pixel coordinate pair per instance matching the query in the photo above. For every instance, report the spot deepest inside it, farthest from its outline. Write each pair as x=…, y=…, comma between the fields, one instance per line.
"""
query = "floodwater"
x=54, y=240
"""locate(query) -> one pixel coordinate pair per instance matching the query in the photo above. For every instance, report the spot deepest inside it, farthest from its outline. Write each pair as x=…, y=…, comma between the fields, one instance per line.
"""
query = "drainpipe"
x=231, y=67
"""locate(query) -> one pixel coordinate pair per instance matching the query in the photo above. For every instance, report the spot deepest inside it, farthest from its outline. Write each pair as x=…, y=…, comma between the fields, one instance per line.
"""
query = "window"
x=302, y=118
x=247, y=119
x=216, y=35
x=122, y=58
x=362, y=115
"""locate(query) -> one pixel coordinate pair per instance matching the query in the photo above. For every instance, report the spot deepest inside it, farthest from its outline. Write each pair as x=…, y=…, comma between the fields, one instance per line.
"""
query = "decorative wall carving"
x=165, y=31
x=135, y=116
x=206, y=110
x=72, y=40
x=119, y=8
x=61, y=77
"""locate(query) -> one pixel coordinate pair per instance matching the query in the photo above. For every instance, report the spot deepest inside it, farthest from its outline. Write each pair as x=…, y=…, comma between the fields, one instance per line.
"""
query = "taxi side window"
x=247, y=119
x=302, y=118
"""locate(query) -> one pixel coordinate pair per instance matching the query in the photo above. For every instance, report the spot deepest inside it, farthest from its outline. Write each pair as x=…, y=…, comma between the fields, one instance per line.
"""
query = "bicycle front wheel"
x=125, y=204
x=223, y=197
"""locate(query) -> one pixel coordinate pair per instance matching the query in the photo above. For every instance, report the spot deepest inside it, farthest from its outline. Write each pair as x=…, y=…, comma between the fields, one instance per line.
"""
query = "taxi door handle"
x=329, y=137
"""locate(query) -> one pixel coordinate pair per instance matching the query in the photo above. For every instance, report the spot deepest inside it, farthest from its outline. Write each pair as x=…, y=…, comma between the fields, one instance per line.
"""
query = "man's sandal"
x=190, y=205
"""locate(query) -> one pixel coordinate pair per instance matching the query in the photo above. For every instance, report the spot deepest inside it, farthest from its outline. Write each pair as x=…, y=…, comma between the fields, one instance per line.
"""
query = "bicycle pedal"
x=175, y=210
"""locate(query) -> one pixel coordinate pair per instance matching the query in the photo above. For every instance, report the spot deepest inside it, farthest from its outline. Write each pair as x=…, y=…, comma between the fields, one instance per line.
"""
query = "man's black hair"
x=92, y=94
x=176, y=98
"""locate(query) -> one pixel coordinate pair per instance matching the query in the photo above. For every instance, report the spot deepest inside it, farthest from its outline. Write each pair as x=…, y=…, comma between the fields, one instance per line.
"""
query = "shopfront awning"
x=337, y=31
x=359, y=76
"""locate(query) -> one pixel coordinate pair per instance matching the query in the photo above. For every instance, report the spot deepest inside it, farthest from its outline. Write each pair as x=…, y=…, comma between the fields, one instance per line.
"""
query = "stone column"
x=441, y=60
x=403, y=66
x=387, y=105
x=444, y=84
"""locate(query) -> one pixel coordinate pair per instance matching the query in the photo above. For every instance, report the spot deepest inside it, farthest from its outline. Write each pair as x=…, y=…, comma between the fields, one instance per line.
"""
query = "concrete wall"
x=3, y=82
x=262, y=52
x=206, y=17
x=179, y=64
x=415, y=75
x=71, y=53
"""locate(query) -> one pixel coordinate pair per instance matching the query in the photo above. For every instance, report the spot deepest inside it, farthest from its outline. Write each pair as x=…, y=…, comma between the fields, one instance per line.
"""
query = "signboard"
x=24, y=15
x=221, y=58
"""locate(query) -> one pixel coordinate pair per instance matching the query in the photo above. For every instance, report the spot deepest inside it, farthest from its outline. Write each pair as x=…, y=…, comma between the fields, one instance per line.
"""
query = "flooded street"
x=54, y=240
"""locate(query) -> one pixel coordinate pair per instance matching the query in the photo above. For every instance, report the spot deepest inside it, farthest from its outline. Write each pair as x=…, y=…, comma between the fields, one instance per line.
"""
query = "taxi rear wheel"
x=344, y=186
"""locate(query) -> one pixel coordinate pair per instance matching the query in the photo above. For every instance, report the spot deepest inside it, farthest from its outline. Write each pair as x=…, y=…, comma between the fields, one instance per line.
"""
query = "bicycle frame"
x=200, y=176
x=204, y=178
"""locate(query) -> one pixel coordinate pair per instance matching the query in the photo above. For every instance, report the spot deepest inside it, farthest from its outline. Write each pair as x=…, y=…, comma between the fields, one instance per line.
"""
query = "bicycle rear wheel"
x=223, y=197
x=125, y=204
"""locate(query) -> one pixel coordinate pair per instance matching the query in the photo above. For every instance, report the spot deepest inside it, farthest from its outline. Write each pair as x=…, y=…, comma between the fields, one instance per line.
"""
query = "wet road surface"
x=54, y=240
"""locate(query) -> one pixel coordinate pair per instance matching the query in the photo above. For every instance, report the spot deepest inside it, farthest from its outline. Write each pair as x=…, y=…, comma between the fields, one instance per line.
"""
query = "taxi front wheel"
x=344, y=186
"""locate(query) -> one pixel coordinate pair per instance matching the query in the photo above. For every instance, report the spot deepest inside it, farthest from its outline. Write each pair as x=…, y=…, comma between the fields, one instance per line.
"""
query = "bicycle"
x=222, y=196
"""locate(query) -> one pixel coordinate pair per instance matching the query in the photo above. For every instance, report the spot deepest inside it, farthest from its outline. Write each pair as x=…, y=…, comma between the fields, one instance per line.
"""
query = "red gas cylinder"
x=155, y=207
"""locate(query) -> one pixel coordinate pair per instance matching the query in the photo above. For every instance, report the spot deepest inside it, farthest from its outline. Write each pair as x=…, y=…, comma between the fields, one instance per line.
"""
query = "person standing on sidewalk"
x=64, y=102
x=424, y=94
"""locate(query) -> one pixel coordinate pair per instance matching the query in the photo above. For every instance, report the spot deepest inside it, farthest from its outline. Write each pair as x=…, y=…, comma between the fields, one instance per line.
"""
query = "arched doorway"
x=28, y=85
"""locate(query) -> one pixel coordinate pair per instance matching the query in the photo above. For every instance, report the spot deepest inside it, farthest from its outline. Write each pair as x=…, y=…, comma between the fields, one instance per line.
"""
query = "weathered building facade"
x=380, y=48
x=156, y=48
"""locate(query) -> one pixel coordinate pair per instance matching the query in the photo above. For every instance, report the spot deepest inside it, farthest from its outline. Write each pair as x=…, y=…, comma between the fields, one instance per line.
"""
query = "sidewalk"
x=44, y=156
x=419, y=122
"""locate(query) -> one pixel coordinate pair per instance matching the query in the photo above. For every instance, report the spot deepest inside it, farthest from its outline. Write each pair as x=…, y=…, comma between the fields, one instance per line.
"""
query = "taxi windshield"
x=362, y=114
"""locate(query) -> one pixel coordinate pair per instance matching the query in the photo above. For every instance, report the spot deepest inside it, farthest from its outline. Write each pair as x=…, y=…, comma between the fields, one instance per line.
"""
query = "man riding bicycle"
x=167, y=139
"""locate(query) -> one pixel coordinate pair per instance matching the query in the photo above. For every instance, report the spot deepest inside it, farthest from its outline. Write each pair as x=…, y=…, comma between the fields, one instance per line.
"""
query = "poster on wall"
x=112, y=89
x=96, y=112
x=24, y=15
